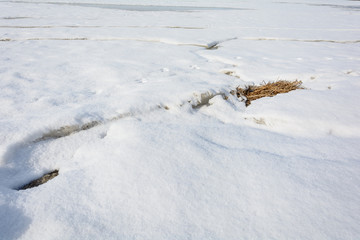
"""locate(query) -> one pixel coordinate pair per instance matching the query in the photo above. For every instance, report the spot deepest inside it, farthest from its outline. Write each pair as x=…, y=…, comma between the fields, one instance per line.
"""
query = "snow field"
x=155, y=167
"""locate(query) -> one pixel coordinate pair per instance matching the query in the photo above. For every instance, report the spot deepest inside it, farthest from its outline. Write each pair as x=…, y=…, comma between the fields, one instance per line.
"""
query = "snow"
x=169, y=157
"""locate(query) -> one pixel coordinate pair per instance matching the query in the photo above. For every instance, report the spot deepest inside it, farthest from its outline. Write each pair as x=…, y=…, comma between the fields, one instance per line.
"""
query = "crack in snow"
x=300, y=40
x=14, y=18
x=39, y=181
x=211, y=45
x=97, y=26
x=64, y=131
x=141, y=8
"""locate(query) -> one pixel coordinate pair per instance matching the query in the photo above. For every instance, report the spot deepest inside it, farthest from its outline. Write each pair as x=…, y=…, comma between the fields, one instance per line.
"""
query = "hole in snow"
x=230, y=73
x=14, y=18
x=205, y=98
x=66, y=131
x=46, y=177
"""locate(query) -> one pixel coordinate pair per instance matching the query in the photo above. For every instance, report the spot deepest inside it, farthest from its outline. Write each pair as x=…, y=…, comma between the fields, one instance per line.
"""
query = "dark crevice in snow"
x=96, y=26
x=39, y=181
x=139, y=8
x=66, y=131
x=209, y=46
x=14, y=18
x=205, y=98
x=303, y=40
x=215, y=44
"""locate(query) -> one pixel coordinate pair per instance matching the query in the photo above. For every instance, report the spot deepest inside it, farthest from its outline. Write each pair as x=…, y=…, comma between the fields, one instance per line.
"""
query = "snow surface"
x=154, y=166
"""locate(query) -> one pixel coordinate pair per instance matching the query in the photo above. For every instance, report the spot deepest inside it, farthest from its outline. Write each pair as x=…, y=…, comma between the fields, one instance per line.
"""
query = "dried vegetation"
x=269, y=89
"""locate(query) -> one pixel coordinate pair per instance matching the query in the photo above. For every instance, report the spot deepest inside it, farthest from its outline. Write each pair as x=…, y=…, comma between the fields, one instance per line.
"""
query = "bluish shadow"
x=13, y=222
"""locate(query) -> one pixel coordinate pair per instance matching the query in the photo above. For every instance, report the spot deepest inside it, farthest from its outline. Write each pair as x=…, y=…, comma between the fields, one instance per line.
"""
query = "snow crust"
x=160, y=149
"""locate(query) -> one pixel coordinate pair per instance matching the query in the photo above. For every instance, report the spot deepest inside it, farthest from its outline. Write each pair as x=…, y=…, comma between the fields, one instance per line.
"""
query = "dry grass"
x=266, y=90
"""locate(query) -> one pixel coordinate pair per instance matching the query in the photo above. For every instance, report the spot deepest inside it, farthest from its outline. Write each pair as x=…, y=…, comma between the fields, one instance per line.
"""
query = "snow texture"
x=130, y=101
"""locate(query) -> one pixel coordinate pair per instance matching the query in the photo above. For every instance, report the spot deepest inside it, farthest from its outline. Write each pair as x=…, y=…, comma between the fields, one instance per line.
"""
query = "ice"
x=131, y=101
